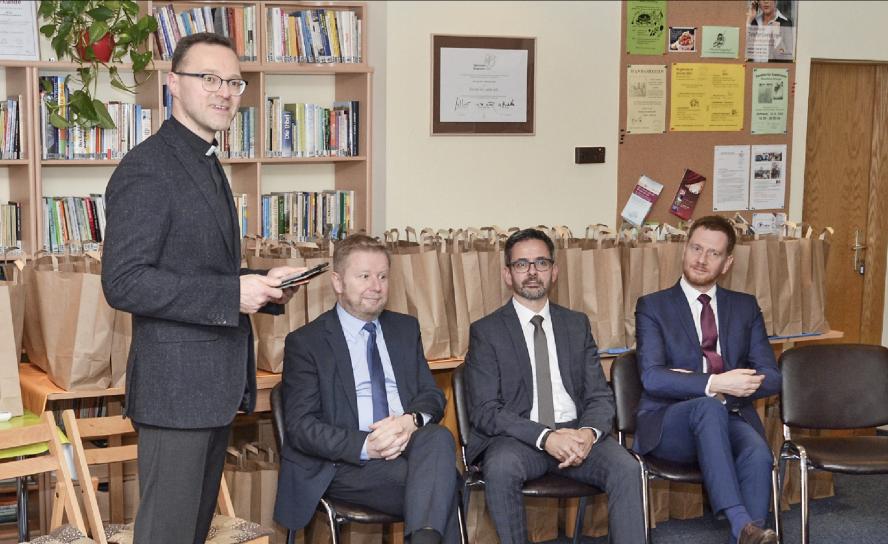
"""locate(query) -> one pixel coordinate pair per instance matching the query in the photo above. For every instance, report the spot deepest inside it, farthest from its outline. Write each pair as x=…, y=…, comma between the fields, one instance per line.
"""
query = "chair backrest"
x=54, y=460
x=460, y=402
x=112, y=428
x=627, y=385
x=277, y=417
x=835, y=386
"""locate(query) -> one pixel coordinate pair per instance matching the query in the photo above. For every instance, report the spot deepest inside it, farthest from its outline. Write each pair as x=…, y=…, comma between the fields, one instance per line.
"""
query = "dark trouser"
x=421, y=484
x=734, y=458
x=179, y=475
x=508, y=463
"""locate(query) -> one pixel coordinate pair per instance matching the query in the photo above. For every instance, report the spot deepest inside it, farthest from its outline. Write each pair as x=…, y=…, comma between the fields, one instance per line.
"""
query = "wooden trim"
x=877, y=216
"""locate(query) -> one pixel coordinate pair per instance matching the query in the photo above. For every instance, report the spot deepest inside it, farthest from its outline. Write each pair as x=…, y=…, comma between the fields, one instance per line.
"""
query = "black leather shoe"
x=753, y=534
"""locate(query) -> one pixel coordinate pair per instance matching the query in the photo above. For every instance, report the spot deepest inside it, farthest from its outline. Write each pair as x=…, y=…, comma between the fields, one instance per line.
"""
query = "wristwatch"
x=418, y=420
x=545, y=438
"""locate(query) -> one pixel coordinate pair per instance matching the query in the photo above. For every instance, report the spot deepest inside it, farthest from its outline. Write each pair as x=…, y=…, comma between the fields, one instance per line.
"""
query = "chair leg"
x=462, y=519
x=775, y=494
x=291, y=536
x=578, y=523
x=803, y=475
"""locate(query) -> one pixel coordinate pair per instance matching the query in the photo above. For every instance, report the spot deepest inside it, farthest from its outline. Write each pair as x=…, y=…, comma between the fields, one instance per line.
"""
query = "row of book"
x=313, y=36
x=308, y=216
x=10, y=128
x=238, y=23
x=239, y=141
x=310, y=130
x=132, y=121
x=73, y=221
x=10, y=227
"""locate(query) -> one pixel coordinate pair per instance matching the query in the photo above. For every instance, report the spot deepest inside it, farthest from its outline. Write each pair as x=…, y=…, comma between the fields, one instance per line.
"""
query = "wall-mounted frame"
x=483, y=85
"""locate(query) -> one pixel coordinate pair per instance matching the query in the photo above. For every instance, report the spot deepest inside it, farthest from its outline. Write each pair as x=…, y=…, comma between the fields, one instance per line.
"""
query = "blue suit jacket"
x=321, y=405
x=667, y=339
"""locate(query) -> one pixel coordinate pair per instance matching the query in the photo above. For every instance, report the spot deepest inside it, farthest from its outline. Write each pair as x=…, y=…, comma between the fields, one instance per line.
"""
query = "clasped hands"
x=739, y=382
x=389, y=437
x=570, y=446
x=257, y=290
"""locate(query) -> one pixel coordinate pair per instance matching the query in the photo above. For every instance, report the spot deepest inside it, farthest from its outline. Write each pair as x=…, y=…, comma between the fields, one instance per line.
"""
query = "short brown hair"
x=356, y=242
x=716, y=223
x=183, y=45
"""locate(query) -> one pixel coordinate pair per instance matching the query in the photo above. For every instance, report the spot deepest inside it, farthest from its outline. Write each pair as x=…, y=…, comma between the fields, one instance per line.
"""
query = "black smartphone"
x=303, y=276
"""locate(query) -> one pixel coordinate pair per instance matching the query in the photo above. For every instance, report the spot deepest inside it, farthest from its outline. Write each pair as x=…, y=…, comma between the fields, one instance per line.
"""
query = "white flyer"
x=767, y=177
x=18, y=41
x=730, y=178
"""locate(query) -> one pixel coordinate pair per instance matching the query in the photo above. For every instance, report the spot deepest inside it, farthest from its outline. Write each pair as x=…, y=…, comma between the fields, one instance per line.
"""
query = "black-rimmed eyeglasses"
x=541, y=264
x=212, y=83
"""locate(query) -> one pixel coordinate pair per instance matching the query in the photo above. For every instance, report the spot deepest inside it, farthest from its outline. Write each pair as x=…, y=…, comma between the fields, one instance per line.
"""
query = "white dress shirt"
x=692, y=295
x=565, y=409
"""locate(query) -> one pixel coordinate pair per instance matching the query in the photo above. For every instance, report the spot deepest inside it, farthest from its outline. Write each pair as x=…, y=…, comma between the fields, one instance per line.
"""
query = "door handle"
x=859, y=262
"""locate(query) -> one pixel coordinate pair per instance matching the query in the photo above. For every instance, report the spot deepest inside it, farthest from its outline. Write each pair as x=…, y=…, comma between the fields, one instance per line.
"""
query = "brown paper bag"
x=239, y=476
x=468, y=299
x=738, y=277
x=685, y=500
x=785, y=267
x=567, y=290
x=425, y=299
x=641, y=276
x=603, y=296
x=12, y=314
x=121, y=339
x=270, y=331
x=542, y=518
x=814, y=257
x=760, y=280
x=75, y=324
x=478, y=523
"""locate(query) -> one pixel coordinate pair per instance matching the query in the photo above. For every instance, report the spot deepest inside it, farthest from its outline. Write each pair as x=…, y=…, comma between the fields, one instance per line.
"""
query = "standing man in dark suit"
x=361, y=407
x=540, y=402
x=172, y=259
x=704, y=356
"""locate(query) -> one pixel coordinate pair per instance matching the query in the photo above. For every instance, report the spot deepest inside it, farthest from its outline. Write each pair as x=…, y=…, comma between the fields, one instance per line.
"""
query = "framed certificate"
x=482, y=85
x=19, y=37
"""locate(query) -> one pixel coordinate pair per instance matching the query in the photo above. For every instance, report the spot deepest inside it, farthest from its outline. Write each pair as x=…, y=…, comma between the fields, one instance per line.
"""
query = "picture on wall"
x=771, y=30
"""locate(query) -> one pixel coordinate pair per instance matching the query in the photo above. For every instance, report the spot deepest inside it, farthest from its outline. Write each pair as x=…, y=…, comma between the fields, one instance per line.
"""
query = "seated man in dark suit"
x=361, y=406
x=704, y=356
x=540, y=402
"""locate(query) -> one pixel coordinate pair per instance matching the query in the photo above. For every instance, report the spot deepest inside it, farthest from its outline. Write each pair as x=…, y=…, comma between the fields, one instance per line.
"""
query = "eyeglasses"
x=212, y=83
x=542, y=264
x=698, y=250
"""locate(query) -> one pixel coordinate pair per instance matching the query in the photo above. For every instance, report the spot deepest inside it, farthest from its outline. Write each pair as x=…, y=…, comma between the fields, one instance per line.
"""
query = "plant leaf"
x=58, y=121
x=130, y=8
x=100, y=13
x=47, y=8
x=97, y=31
x=48, y=30
x=102, y=115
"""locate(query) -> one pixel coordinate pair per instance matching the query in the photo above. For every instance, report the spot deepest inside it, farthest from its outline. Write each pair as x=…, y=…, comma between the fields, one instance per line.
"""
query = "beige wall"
x=445, y=181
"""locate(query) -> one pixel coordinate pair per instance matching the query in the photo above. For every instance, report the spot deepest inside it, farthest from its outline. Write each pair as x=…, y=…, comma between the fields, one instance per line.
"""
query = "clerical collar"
x=197, y=146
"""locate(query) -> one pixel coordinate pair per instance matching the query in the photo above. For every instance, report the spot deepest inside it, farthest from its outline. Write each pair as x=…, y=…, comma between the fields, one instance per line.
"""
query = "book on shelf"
x=240, y=206
x=10, y=228
x=305, y=216
x=311, y=130
x=238, y=23
x=132, y=126
x=73, y=221
x=239, y=141
x=10, y=128
x=313, y=36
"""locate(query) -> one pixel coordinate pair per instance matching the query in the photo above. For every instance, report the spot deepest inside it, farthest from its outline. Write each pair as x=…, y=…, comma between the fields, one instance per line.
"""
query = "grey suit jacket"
x=168, y=260
x=500, y=380
x=321, y=405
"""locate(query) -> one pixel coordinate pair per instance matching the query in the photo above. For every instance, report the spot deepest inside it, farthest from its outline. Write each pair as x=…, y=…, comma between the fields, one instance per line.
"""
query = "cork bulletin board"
x=665, y=156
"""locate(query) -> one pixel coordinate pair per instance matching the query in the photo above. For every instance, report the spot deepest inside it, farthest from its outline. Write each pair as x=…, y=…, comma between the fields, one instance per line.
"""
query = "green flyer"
x=721, y=42
x=646, y=27
x=770, y=100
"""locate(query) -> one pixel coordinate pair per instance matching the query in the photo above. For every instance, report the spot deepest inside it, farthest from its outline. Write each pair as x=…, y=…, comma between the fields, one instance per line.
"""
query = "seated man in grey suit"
x=539, y=400
x=361, y=406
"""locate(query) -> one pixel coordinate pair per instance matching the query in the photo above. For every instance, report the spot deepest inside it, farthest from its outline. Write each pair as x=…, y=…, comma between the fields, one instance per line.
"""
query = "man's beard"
x=534, y=293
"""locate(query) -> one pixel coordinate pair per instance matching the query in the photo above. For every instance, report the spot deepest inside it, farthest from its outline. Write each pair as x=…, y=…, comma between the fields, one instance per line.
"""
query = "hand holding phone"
x=304, y=276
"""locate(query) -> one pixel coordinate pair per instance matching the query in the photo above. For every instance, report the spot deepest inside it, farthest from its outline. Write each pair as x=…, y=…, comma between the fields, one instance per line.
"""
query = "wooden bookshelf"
x=350, y=81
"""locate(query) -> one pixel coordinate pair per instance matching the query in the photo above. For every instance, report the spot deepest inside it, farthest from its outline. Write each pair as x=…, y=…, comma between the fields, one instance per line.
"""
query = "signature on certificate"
x=464, y=103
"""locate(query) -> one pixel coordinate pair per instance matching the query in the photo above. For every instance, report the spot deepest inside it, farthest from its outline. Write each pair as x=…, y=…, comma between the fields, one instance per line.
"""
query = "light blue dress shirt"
x=356, y=339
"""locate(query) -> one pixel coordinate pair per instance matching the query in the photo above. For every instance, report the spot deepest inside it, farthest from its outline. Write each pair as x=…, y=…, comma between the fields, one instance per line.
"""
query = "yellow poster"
x=707, y=97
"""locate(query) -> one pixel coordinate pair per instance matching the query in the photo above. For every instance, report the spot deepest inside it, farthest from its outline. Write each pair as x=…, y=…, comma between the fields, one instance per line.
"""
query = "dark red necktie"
x=710, y=336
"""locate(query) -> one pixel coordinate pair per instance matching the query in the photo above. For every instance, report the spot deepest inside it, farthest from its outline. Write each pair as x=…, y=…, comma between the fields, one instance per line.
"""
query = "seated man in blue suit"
x=361, y=406
x=704, y=356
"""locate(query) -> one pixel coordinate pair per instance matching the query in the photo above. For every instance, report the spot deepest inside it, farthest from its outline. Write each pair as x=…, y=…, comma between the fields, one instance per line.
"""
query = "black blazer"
x=321, y=406
x=500, y=380
x=168, y=260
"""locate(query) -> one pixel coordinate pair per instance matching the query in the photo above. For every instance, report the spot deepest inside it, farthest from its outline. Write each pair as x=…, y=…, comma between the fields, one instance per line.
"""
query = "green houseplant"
x=95, y=34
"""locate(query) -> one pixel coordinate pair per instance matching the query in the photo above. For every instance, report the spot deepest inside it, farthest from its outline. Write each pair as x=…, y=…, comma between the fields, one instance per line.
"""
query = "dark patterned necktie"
x=377, y=375
x=710, y=336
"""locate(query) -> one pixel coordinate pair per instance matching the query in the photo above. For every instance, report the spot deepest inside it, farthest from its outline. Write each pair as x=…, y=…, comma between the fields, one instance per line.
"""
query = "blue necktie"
x=377, y=375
